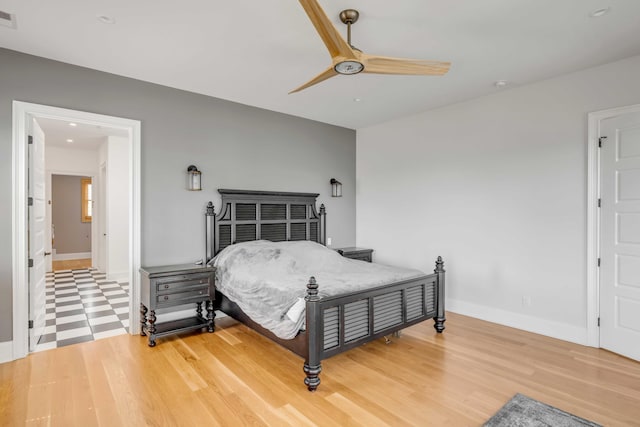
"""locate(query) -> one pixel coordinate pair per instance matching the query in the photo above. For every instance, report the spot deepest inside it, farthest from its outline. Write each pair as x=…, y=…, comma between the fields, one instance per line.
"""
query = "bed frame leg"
x=211, y=315
x=312, y=365
x=440, y=317
x=312, y=381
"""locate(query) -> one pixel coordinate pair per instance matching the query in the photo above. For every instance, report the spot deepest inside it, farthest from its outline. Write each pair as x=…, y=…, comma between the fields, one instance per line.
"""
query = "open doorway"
x=85, y=300
x=125, y=141
x=70, y=202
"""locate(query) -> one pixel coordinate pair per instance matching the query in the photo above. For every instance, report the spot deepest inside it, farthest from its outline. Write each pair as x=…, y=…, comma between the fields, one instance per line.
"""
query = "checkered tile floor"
x=83, y=306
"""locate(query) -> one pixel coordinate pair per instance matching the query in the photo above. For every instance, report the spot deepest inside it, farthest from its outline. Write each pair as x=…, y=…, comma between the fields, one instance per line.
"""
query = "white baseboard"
x=6, y=351
x=118, y=276
x=67, y=257
x=549, y=328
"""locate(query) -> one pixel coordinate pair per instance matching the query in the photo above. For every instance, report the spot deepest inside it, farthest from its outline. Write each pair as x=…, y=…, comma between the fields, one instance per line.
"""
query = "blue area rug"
x=522, y=411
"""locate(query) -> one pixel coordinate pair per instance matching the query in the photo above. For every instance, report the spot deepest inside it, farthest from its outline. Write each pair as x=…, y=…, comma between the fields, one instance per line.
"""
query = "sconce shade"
x=336, y=188
x=194, y=178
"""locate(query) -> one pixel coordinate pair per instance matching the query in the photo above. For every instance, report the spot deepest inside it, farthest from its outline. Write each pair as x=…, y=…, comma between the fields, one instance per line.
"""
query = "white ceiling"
x=255, y=52
x=83, y=136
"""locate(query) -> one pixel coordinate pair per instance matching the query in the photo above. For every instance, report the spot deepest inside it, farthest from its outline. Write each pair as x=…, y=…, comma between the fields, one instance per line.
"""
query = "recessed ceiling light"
x=106, y=19
x=357, y=99
x=501, y=83
x=600, y=12
x=70, y=141
x=73, y=124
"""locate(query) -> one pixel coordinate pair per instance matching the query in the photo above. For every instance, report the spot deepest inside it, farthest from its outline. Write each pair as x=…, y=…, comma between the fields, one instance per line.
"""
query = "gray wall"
x=234, y=145
x=498, y=187
x=71, y=234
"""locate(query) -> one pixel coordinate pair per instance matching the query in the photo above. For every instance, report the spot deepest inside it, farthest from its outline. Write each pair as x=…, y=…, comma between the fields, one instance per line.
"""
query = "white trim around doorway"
x=593, y=217
x=22, y=113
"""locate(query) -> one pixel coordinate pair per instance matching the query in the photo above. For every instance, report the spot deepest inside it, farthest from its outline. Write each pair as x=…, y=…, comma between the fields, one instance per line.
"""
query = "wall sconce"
x=195, y=178
x=336, y=188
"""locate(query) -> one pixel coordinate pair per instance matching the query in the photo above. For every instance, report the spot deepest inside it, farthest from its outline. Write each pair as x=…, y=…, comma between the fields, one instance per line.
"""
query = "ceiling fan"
x=348, y=59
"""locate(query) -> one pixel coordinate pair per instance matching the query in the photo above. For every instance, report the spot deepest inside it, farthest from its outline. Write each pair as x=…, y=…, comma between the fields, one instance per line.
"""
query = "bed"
x=332, y=323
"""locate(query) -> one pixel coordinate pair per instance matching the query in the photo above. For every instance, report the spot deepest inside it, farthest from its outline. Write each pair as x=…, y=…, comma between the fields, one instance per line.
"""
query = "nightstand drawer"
x=193, y=294
x=180, y=283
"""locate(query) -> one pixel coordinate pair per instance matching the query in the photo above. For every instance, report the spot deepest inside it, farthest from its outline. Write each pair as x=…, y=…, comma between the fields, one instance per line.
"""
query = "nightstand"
x=171, y=286
x=363, y=254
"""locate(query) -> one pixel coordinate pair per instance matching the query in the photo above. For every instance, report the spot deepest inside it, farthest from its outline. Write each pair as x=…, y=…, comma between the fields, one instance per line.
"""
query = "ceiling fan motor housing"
x=349, y=67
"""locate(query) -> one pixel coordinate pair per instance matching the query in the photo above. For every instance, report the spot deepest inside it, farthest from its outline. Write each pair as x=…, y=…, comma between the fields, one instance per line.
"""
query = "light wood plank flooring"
x=71, y=264
x=235, y=377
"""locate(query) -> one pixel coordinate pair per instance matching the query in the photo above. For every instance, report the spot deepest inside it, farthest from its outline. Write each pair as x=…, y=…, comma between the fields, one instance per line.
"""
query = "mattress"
x=268, y=280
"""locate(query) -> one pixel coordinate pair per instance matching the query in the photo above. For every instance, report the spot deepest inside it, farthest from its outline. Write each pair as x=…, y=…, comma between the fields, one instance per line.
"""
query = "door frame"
x=593, y=217
x=22, y=113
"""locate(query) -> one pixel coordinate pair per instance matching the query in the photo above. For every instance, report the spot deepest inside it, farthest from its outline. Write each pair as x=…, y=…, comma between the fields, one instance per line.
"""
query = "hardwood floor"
x=71, y=264
x=235, y=377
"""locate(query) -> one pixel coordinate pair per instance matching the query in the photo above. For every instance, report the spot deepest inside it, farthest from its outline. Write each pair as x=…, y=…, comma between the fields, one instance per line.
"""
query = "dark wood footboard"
x=339, y=323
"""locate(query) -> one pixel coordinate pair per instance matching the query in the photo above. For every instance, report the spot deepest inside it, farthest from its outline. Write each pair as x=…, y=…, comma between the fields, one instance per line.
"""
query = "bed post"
x=312, y=365
x=210, y=232
x=323, y=225
x=440, y=319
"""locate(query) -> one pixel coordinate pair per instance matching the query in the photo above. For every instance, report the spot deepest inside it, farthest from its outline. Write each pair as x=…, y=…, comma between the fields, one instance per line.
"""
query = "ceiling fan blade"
x=326, y=74
x=336, y=45
x=385, y=65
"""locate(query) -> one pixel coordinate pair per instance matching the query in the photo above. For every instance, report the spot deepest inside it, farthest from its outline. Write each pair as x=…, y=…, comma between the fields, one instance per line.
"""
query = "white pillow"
x=296, y=310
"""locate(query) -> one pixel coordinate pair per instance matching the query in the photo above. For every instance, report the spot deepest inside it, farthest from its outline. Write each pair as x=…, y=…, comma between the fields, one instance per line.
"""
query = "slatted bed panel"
x=378, y=313
x=275, y=232
x=246, y=212
x=356, y=320
x=331, y=327
x=298, y=231
x=298, y=211
x=245, y=232
x=272, y=211
x=387, y=310
x=250, y=215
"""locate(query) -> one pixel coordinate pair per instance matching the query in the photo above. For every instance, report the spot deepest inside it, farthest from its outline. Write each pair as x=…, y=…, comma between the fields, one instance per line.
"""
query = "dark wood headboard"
x=269, y=215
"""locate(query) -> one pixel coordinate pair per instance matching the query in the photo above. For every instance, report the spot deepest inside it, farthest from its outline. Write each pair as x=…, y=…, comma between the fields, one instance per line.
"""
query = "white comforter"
x=268, y=280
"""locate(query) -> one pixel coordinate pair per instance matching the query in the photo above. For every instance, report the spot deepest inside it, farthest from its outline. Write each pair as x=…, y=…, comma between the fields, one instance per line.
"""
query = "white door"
x=101, y=201
x=37, y=231
x=620, y=235
x=49, y=232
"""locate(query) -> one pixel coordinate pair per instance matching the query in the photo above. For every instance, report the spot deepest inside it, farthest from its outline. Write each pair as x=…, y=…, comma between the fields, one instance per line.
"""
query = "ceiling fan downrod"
x=348, y=17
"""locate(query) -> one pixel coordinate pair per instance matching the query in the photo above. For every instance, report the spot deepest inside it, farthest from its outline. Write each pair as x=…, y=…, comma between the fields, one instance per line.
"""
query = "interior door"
x=620, y=235
x=37, y=232
x=102, y=218
x=49, y=233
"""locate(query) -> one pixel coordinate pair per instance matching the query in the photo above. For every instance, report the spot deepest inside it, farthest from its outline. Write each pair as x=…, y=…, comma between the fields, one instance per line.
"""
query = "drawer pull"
x=166, y=297
x=166, y=286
